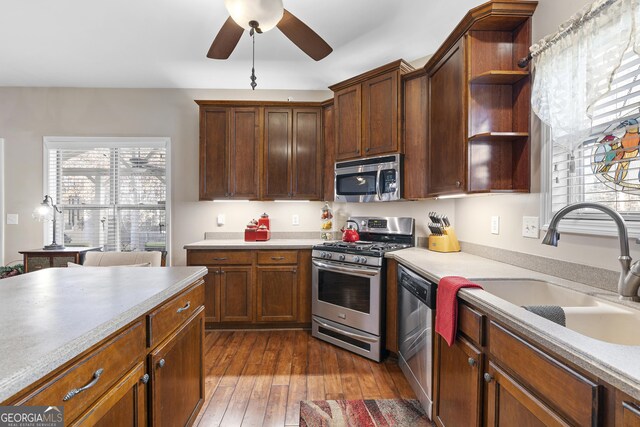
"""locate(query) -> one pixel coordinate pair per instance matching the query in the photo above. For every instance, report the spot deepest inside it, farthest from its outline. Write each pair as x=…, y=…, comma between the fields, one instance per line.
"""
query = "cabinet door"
x=380, y=114
x=458, y=384
x=236, y=300
x=630, y=415
x=415, y=137
x=277, y=153
x=177, y=377
x=511, y=404
x=447, y=124
x=277, y=294
x=328, y=139
x=214, y=167
x=307, y=154
x=348, y=119
x=244, y=153
x=123, y=405
x=212, y=295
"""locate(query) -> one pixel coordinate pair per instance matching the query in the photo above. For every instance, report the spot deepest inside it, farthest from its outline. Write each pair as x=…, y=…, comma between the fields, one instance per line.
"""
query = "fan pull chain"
x=253, y=61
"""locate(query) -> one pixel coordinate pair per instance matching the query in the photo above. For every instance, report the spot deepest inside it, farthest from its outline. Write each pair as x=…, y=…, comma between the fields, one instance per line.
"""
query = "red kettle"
x=349, y=233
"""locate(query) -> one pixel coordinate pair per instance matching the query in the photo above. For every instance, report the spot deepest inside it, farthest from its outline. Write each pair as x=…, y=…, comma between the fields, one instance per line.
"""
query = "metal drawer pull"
x=96, y=377
x=161, y=363
x=349, y=334
x=185, y=308
x=487, y=377
x=220, y=259
x=145, y=378
x=277, y=258
x=472, y=362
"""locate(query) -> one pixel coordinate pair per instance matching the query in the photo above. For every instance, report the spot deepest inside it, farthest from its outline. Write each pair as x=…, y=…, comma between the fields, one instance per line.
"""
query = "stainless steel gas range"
x=348, y=285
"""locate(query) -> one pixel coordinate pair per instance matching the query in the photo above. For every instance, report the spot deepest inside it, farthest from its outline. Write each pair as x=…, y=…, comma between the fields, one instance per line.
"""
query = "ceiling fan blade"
x=226, y=40
x=303, y=36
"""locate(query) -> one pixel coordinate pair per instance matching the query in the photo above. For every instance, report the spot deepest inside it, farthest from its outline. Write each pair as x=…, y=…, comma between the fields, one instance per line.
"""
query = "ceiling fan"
x=259, y=16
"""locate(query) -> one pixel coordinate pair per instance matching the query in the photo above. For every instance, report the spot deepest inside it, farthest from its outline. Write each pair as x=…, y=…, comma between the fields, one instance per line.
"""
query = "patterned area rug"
x=362, y=413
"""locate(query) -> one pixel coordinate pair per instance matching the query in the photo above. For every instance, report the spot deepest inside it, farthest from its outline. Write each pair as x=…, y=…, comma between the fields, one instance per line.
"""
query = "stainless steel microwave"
x=374, y=179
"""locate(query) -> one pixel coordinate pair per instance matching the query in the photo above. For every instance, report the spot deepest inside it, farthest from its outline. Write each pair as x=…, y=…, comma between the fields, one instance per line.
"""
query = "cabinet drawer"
x=102, y=368
x=573, y=395
x=38, y=263
x=61, y=261
x=173, y=313
x=470, y=323
x=278, y=257
x=219, y=257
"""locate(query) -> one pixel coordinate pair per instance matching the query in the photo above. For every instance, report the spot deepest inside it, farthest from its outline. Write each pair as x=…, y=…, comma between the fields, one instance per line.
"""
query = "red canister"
x=264, y=220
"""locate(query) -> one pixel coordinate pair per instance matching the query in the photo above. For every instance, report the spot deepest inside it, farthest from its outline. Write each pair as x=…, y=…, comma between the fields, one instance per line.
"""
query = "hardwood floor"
x=258, y=378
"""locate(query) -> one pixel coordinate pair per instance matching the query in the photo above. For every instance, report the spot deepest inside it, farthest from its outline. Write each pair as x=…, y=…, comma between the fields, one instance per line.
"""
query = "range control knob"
x=323, y=254
x=341, y=257
x=363, y=260
x=329, y=255
x=356, y=258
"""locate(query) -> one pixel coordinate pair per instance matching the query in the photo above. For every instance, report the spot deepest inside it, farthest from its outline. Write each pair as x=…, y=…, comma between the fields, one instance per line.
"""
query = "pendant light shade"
x=266, y=12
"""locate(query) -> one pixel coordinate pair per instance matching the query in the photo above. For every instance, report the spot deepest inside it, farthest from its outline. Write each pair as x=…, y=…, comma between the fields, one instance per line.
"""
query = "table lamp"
x=47, y=212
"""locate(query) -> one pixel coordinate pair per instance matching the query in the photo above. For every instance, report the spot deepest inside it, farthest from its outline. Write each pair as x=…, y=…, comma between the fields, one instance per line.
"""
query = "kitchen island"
x=63, y=328
x=521, y=360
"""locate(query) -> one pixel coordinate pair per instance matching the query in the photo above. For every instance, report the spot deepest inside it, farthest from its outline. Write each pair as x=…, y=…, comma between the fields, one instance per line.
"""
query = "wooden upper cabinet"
x=367, y=112
x=292, y=153
x=348, y=116
x=229, y=149
x=414, y=134
x=328, y=140
x=380, y=114
x=447, y=124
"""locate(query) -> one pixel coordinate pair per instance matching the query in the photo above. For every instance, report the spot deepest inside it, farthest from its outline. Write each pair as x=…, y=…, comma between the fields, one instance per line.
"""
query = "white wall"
x=2, y=216
x=28, y=114
x=473, y=214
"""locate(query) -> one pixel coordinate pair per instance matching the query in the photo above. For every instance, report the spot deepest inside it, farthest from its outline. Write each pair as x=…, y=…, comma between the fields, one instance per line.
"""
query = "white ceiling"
x=163, y=43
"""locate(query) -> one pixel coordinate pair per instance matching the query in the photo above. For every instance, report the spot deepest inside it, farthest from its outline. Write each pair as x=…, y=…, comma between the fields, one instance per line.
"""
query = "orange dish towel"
x=447, y=306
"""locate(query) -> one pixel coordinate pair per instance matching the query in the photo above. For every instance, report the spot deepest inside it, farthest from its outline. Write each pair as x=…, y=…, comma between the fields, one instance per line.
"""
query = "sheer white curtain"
x=574, y=67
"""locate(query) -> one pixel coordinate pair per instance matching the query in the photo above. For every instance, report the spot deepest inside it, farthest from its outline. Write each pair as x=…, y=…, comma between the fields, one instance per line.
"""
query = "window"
x=113, y=192
x=605, y=166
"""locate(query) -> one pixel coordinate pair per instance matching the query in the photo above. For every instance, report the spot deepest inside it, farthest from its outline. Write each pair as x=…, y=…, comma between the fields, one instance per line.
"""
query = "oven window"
x=356, y=183
x=346, y=291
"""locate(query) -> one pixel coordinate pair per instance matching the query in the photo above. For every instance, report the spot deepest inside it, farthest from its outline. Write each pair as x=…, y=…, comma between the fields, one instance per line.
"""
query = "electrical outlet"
x=295, y=220
x=530, y=227
x=495, y=225
x=221, y=220
x=12, y=219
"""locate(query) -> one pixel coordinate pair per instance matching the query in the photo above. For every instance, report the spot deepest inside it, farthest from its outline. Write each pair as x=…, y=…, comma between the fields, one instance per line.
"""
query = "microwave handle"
x=378, y=183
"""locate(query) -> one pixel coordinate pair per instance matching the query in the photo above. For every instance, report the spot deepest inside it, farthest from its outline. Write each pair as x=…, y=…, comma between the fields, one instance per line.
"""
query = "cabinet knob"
x=487, y=377
x=367, y=149
x=458, y=184
x=472, y=362
x=162, y=362
x=145, y=378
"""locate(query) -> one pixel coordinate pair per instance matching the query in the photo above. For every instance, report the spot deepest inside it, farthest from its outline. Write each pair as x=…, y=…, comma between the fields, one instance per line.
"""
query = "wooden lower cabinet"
x=630, y=415
x=123, y=405
x=236, y=299
x=277, y=291
x=256, y=288
x=458, y=384
x=177, y=375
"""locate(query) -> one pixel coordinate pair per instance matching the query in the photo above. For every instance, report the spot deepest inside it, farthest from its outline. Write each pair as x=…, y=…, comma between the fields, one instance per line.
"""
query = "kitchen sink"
x=585, y=314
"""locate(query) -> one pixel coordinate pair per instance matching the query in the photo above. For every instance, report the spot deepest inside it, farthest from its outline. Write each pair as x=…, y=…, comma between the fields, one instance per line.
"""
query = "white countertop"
x=241, y=244
x=51, y=316
x=617, y=364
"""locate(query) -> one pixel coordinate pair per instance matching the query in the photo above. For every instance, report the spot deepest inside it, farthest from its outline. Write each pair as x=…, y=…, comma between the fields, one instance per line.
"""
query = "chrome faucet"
x=629, y=280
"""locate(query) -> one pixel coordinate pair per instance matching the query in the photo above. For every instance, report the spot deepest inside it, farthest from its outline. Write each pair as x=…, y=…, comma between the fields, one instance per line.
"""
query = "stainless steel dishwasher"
x=416, y=313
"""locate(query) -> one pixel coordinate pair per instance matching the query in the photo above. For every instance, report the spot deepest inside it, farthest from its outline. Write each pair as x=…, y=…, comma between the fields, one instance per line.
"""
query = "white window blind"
x=112, y=192
x=605, y=167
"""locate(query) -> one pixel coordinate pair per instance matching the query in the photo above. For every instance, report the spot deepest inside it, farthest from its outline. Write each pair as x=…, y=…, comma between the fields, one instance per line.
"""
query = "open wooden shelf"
x=499, y=136
x=499, y=77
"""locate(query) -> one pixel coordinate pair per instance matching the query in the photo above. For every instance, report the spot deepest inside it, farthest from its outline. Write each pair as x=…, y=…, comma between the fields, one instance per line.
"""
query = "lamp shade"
x=266, y=12
x=43, y=212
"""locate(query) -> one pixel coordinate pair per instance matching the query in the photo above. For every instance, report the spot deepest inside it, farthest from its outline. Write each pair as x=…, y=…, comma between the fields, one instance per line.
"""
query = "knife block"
x=448, y=242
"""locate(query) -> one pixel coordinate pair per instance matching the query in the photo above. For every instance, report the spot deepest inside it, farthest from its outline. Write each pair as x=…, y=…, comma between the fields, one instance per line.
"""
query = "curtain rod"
x=576, y=21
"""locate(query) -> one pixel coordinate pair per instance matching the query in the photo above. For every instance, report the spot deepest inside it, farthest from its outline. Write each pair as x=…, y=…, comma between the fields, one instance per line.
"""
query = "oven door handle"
x=340, y=331
x=352, y=271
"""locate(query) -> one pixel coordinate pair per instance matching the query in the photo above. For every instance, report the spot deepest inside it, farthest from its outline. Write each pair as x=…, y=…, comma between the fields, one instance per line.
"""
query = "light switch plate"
x=530, y=227
x=12, y=219
x=221, y=220
x=495, y=225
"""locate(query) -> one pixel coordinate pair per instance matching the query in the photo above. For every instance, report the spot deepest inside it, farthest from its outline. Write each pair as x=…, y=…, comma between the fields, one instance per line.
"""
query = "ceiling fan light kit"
x=267, y=13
